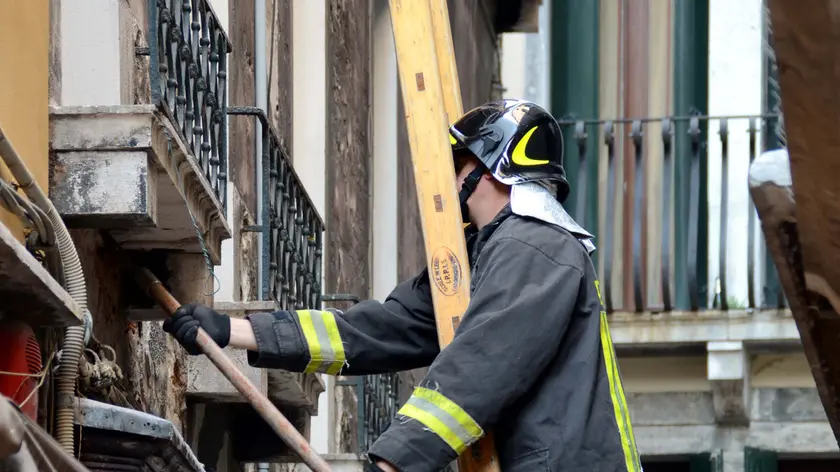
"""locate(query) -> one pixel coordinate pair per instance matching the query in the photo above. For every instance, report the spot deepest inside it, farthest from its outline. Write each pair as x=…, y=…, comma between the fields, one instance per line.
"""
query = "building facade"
x=665, y=106
x=252, y=155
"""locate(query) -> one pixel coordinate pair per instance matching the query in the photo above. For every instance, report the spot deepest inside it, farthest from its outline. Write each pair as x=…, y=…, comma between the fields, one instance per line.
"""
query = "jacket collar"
x=476, y=239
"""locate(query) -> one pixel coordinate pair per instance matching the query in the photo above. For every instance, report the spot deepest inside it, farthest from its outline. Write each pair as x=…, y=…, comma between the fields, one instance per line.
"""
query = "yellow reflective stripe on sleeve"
x=622, y=413
x=326, y=351
x=443, y=417
x=462, y=417
x=335, y=342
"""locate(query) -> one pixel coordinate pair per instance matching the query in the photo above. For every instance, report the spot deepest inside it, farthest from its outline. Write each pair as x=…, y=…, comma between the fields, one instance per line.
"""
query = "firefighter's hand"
x=184, y=324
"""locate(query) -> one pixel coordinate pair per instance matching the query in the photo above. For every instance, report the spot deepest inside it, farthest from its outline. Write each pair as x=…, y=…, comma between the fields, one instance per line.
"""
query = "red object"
x=20, y=353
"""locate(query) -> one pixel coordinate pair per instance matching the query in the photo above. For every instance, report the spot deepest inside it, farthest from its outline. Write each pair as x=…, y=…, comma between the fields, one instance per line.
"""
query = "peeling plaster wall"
x=152, y=362
x=279, y=53
x=244, y=129
x=242, y=132
x=349, y=153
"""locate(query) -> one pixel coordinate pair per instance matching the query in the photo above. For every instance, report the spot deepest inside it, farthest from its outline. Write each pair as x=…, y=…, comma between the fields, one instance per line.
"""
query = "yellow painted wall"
x=24, y=88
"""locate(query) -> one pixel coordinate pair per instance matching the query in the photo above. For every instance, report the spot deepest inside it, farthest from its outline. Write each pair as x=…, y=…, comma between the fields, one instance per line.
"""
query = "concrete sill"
x=28, y=292
x=682, y=328
x=126, y=169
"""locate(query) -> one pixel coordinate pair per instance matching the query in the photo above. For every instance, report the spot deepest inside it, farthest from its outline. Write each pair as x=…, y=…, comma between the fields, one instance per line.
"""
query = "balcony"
x=680, y=252
x=290, y=231
x=679, y=246
x=152, y=170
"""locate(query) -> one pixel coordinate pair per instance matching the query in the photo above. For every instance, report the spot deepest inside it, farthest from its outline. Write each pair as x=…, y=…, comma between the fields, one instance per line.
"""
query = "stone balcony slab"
x=769, y=328
x=127, y=170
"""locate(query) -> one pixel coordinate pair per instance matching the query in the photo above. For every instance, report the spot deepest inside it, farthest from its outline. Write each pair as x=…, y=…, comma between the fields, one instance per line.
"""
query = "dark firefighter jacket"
x=532, y=359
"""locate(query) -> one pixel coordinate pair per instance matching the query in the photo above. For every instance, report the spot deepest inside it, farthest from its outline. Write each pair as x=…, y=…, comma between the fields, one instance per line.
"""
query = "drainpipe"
x=261, y=102
x=74, y=336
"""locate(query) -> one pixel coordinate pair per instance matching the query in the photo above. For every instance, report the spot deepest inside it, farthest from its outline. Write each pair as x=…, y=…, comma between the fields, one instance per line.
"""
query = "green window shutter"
x=575, y=58
x=760, y=460
x=691, y=70
x=707, y=462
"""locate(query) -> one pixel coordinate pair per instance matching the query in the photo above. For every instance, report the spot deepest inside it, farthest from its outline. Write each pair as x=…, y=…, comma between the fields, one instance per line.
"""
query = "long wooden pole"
x=260, y=402
x=432, y=99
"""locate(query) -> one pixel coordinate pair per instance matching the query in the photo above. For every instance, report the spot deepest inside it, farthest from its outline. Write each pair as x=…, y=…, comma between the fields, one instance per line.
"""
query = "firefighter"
x=532, y=358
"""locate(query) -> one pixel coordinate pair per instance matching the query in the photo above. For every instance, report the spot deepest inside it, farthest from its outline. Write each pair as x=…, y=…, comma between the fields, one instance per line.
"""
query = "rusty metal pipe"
x=260, y=402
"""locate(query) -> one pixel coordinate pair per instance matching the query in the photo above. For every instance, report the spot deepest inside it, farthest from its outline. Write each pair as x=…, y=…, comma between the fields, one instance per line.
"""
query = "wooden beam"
x=450, y=82
x=446, y=251
x=431, y=97
x=804, y=231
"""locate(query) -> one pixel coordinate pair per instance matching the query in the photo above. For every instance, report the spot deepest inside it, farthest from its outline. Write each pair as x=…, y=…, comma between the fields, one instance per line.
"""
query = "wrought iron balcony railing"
x=651, y=204
x=292, y=230
x=378, y=402
x=188, y=51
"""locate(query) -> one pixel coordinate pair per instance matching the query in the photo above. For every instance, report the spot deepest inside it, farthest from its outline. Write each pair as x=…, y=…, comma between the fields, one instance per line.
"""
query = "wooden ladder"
x=432, y=99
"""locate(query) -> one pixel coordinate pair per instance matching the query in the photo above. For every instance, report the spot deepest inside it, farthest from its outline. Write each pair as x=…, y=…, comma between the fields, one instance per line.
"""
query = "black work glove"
x=184, y=324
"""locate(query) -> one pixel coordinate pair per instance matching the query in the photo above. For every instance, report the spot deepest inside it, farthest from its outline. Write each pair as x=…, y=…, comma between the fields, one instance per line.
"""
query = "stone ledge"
x=28, y=292
x=783, y=437
x=242, y=309
x=679, y=328
x=767, y=405
x=206, y=383
x=232, y=309
x=125, y=169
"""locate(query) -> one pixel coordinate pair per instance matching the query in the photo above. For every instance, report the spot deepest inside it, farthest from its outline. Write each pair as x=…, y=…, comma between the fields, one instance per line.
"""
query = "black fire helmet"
x=517, y=141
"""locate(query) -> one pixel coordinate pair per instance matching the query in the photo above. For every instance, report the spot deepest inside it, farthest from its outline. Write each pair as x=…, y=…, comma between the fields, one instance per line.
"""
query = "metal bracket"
x=254, y=229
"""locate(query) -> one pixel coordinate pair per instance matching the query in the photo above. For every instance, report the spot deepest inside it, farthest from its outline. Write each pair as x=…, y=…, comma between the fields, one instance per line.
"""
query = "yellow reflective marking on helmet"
x=452, y=140
x=519, y=158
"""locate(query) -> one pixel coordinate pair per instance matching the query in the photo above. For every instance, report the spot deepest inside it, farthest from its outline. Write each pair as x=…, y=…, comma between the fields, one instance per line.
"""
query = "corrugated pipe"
x=74, y=278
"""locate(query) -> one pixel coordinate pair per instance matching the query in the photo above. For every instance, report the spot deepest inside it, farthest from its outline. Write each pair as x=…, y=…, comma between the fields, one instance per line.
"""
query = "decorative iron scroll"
x=378, y=402
x=188, y=51
x=292, y=229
